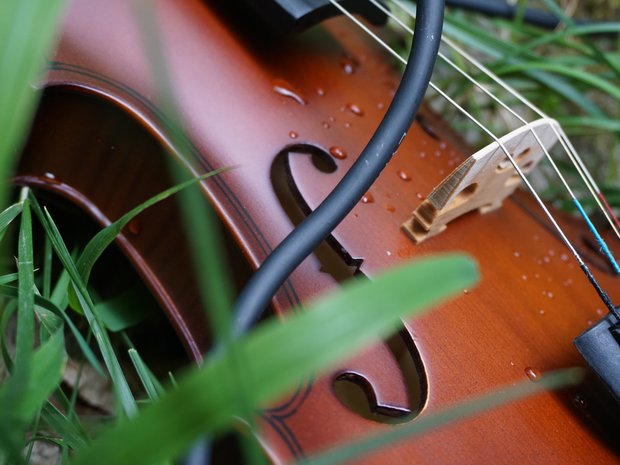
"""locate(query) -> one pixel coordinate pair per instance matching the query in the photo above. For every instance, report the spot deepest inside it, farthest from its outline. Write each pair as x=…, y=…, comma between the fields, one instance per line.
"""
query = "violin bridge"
x=483, y=181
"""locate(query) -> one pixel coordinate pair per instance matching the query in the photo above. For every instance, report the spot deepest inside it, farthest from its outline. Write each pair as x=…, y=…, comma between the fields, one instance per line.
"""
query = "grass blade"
x=7, y=217
x=39, y=301
x=44, y=375
x=24, y=338
x=97, y=245
x=151, y=385
x=121, y=387
x=467, y=409
x=336, y=326
x=27, y=29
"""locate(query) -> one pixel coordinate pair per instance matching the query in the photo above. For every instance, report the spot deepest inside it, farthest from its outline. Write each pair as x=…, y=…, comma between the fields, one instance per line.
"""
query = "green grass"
x=572, y=74
x=52, y=304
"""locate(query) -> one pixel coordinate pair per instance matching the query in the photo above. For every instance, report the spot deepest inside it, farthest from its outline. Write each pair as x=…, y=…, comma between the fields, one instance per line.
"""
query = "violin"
x=292, y=114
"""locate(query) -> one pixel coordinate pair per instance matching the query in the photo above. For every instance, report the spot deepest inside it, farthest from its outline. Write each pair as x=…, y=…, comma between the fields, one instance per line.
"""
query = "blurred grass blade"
x=362, y=448
x=283, y=353
x=9, y=278
x=47, y=366
x=45, y=373
x=584, y=77
x=8, y=311
x=125, y=310
x=579, y=124
x=74, y=436
x=14, y=403
x=478, y=39
x=27, y=30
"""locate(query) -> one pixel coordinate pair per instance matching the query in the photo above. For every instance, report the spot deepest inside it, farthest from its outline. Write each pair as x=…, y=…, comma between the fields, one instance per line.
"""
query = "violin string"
x=602, y=294
x=603, y=246
x=569, y=149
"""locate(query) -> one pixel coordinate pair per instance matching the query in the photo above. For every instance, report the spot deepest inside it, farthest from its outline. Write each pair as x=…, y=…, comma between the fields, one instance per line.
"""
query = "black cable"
x=302, y=241
x=501, y=9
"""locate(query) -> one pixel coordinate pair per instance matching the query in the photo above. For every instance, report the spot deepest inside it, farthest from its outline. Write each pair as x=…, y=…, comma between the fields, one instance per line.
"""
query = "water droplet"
x=390, y=208
x=347, y=125
x=590, y=322
x=533, y=374
x=466, y=291
x=331, y=119
x=293, y=135
x=551, y=252
x=404, y=175
x=112, y=148
x=285, y=89
x=512, y=364
x=355, y=109
x=550, y=294
x=546, y=259
x=388, y=253
x=51, y=178
x=135, y=227
x=580, y=402
x=537, y=275
x=325, y=124
x=568, y=282
x=536, y=237
x=524, y=277
x=419, y=196
x=564, y=257
x=599, y=311
x=541, y=311
x=368, y=198
x=422, y=154
x=380, y=105
x=442, y=145
x=437, y=153
x=320, y=92
x=338, y=152
x=348, y=65
x=516, y=254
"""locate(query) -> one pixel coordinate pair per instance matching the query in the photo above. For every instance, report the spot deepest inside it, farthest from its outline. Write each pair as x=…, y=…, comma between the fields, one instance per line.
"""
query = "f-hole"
x=355, y=392
x=334, y=259
x=353, y=389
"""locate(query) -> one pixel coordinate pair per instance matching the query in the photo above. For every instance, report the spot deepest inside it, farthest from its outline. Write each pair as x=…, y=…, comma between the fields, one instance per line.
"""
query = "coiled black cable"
x=302, y=241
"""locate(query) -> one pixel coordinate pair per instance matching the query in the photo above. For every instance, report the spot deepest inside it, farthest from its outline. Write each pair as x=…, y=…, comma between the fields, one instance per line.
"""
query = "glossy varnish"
x=291, y=116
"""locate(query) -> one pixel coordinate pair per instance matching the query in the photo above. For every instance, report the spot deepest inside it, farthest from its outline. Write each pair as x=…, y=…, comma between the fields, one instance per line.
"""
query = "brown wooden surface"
x=532, y=300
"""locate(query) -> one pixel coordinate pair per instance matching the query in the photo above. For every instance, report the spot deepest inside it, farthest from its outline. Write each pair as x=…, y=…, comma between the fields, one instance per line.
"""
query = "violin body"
x=291, y=116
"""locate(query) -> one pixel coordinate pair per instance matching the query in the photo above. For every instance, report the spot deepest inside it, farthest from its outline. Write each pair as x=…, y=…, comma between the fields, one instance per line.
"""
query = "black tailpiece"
x=292, y=16
x=600, y=347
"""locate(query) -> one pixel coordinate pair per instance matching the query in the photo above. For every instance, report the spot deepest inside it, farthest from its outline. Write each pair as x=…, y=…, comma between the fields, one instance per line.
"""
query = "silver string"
x=469, y=116
x=568, y=147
